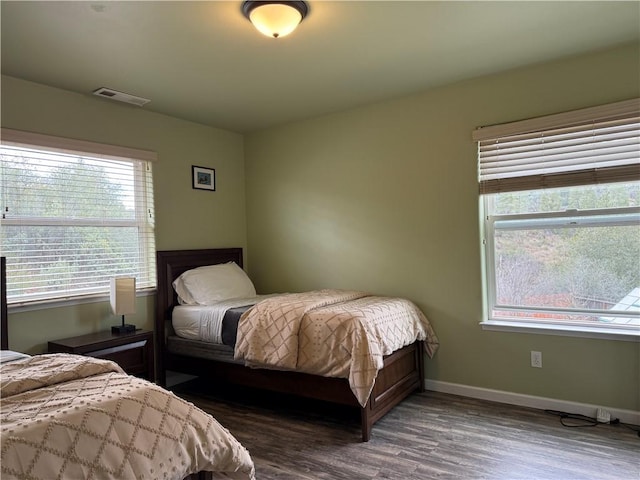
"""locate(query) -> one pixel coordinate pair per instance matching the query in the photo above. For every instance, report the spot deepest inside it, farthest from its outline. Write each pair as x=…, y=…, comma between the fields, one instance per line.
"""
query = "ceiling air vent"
x=120, y=96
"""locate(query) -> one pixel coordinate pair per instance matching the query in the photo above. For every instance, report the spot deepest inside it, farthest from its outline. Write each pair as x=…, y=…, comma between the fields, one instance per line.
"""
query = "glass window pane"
x=72, y=222
x=53, y=261
x=615, y=195
x=51, y=185
x=590, y=268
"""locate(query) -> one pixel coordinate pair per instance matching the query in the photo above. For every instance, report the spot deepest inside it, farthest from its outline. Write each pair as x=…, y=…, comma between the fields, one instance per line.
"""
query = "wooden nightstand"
x=132, y=351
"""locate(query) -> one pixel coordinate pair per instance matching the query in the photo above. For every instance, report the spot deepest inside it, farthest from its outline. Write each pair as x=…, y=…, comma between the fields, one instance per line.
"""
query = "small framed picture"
x=203, y=178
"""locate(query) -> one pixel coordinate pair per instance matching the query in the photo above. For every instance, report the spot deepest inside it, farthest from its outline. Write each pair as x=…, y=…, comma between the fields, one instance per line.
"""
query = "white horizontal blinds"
x=71, y=222
x=145, y=216
x=73, y=146
x=563, y=150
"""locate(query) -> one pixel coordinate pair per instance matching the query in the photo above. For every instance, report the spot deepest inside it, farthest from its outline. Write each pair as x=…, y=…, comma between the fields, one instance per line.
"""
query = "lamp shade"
x=123, y=295
x=275, y=18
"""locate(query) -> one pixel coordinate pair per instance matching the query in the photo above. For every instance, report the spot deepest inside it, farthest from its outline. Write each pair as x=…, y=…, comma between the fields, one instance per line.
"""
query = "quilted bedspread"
x=71, y=417
x=333, y=333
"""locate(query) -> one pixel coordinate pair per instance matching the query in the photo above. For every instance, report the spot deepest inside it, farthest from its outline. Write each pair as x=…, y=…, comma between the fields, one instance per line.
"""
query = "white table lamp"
x=123, y=301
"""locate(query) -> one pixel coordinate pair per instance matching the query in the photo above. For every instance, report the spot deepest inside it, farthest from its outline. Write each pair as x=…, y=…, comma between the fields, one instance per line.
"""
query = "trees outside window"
x=565, y=255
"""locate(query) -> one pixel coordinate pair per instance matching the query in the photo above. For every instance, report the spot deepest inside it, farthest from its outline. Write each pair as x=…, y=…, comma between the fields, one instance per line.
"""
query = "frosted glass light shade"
x=275, y=18
x=123, y=295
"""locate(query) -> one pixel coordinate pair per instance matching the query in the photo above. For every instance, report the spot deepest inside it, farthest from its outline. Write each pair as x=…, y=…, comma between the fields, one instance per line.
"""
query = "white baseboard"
x=542, y=403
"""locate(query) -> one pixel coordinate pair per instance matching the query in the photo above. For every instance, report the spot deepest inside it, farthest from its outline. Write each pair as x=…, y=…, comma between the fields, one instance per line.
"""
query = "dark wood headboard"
x=4, y=338
x=170, y=264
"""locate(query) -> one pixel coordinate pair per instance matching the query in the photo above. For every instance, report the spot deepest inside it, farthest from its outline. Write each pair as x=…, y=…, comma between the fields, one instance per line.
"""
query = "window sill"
x=69, y=301
x=602, y=333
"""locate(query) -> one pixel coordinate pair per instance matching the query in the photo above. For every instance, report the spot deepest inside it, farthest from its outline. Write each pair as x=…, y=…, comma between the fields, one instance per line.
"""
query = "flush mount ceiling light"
x=275, y=18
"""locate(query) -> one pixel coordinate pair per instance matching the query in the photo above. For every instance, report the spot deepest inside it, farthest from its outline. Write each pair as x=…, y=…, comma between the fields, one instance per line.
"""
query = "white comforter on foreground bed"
x=333, y=333
x=66, y=416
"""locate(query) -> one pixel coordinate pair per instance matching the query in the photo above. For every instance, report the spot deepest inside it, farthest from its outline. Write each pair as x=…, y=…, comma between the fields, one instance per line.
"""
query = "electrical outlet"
x=603, y=416
x=536, y=359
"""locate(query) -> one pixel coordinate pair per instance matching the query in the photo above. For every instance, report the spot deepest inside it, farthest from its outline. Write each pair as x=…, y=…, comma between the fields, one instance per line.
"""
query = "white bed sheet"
x=10, y=356
x=204, y=322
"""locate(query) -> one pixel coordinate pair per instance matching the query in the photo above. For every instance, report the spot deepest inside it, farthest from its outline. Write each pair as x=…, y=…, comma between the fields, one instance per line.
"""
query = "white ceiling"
x=204, y=61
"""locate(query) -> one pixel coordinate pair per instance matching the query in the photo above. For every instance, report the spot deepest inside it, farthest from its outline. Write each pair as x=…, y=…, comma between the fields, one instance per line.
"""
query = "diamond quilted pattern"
x=108, y=425
x=333, y=333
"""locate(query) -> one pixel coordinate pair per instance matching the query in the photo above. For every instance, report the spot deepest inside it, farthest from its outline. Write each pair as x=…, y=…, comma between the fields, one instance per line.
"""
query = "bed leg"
x=420, y=361
x=366, y=423
x=161, y=378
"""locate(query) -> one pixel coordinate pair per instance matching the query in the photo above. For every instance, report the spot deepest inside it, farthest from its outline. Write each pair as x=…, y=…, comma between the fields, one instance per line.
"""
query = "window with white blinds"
x=594, y=145
x=74, y=215
x=561, y=222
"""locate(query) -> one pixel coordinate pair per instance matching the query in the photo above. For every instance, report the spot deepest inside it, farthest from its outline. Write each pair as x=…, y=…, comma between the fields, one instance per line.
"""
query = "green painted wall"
x=185, y=218
x=384, y=198
x=381, y=198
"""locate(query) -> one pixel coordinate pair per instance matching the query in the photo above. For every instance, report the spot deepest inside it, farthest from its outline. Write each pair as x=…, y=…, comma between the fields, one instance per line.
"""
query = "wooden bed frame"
x=402, y=374
x=4, y=340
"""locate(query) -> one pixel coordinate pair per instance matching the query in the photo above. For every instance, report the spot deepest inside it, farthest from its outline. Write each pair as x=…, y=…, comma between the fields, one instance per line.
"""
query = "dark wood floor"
x=428, y=436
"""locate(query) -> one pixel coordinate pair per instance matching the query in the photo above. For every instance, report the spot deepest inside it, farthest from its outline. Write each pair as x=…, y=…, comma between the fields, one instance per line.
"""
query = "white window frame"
x=566, y=219
x=570, y=218
x=144, y=209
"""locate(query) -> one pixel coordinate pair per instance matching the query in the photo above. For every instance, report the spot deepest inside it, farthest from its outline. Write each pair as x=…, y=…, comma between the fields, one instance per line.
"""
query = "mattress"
x=196, y=348
x=215, y=324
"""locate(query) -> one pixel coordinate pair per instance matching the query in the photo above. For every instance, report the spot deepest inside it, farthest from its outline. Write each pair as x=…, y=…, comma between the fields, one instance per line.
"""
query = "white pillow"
x=212, y=284
x=184, y=297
